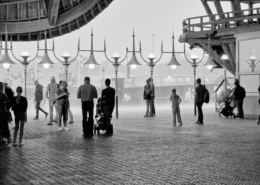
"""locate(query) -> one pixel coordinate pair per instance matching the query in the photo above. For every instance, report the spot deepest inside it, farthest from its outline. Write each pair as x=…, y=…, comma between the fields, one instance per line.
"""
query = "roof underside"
x=27, y=20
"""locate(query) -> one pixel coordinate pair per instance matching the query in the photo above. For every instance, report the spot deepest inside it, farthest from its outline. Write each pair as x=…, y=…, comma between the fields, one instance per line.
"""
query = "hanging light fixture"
x=6, y=60
x=173, y=62
x=133, y=62
x=46, y=61
x=210, y=64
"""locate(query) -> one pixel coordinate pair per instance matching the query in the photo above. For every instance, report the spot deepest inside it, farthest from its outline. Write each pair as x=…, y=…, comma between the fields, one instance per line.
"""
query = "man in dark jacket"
x=108, y=98
x=199, y=99
x=38, y=96
x=239, y=95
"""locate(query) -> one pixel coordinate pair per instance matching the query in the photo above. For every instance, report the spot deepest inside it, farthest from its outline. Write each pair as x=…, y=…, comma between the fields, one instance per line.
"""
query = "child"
x=176, y=100
x=19, y=106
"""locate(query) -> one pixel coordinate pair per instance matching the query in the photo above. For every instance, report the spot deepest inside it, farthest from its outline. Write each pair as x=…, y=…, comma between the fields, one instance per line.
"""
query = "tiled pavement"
x=142, y=151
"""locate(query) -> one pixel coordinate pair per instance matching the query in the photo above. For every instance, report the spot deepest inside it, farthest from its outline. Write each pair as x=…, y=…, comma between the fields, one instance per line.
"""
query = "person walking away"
x=19, y=106
x=62, y=106
x=176, y=101
x=87, y=93
x=147, y=97
x=50, y=95
x=199, y=99
x=152, y=109
x=239, y=95
x=38, y=96
x=4, y=106
x=108, y=98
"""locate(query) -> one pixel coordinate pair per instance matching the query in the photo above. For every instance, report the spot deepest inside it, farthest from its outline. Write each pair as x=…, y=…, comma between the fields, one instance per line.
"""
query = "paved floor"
x=142, y=151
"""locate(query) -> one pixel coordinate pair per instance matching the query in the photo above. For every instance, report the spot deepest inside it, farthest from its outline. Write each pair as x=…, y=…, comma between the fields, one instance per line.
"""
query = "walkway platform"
x=141, y=151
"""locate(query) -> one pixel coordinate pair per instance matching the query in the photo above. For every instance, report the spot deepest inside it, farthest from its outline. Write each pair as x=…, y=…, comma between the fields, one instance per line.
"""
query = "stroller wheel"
x=220, y=115
x=98, y=132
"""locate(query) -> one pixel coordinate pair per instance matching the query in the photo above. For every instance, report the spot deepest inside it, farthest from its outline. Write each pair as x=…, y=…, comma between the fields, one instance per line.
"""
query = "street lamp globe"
x=46, y=66
x=173, y=66
x=133, y=66
x=252, y=57
x=224, y=57
x=209, y=67
x=66, y=55
x=6, y=65
x=151, y=56
x=116, y=55
x=91, y=66
x=25, y=54
x=194, y=57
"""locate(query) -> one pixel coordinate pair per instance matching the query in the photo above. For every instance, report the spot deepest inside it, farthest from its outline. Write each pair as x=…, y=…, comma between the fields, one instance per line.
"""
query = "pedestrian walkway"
x=141, y=151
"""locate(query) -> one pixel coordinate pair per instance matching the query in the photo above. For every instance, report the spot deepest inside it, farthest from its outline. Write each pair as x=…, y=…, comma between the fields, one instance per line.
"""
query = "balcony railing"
x=222, y=21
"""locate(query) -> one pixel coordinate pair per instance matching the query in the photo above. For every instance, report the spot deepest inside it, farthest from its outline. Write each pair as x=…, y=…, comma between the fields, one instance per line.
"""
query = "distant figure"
x=50, y=95
x=38, y=96
x=87, y=93
x=152, y=110
x=4, y=105
x=62, y=96
x=147, y=97
x=126, y=98
x=108, y=98
x=199, y=99
x=239, y=94
x=19, y=106
x=176, y=101
x=188, y=95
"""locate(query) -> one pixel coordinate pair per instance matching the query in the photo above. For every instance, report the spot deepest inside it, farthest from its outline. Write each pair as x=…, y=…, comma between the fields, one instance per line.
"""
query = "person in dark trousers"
x=148, y=97
x=199, y=99
x=19, y=106
x=152, y=109
x=239, y=95
x=87, y=93
x=38, y=96
x=108, y=99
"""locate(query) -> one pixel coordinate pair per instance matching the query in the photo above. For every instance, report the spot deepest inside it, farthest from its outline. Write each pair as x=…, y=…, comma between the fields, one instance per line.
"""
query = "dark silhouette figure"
x=199, y=99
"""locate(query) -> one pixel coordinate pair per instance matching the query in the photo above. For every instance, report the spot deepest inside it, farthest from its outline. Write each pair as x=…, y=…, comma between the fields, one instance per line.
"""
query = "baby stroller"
x=101, y=120
x=227, y=109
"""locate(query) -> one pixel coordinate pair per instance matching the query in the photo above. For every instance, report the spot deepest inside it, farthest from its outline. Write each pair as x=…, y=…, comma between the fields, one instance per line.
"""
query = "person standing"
x=239, y=95
x=62, y=105
x=176, y=100
x=19, y=106
x=148, y=97
x=50, y=95
x=38, y=96
x=152, y=109
x=4, y=116
x=10, y=95
x=199, y=99
x=87, y=93
x=108, y=98
x=258, y=120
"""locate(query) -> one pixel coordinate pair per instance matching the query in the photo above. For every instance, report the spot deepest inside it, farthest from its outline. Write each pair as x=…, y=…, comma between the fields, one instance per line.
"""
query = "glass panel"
x=250, y=83
x=247, y=49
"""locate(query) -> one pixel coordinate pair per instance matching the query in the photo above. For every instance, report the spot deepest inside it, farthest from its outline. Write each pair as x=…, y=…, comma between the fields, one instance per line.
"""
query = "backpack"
x=148, y=90
x=242, y=92
x=206, y=96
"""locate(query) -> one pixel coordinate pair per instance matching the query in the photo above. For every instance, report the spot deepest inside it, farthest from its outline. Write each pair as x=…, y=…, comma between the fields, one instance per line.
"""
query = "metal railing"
x=222, y=21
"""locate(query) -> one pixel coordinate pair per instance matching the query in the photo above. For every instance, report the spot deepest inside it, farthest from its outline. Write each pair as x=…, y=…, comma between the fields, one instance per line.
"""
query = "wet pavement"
x=141, y=151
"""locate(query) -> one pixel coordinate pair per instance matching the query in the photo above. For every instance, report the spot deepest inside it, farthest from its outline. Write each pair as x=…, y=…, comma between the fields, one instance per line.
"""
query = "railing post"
x=189, y=25
x=201, y=21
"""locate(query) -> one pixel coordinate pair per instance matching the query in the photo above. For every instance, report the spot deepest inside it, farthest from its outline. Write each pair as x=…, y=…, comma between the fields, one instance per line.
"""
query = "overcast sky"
x=116, y=24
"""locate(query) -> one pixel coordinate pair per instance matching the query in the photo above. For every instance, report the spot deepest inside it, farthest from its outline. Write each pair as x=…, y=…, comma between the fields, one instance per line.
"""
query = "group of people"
x=18, y=104
x=149, y=96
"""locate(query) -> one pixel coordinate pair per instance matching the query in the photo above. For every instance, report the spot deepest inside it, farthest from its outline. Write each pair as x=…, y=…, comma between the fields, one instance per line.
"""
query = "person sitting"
x=108, y=99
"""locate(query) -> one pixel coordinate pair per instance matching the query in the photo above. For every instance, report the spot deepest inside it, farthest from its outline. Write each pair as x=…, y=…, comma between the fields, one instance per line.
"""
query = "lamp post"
x=194, y=65
x=66, y=63
x=116, y=64
x=225, y=58
x=151, y=58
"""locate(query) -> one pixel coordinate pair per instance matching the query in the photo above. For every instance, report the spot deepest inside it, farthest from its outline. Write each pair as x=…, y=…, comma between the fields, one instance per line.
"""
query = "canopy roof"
x=26, y=20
